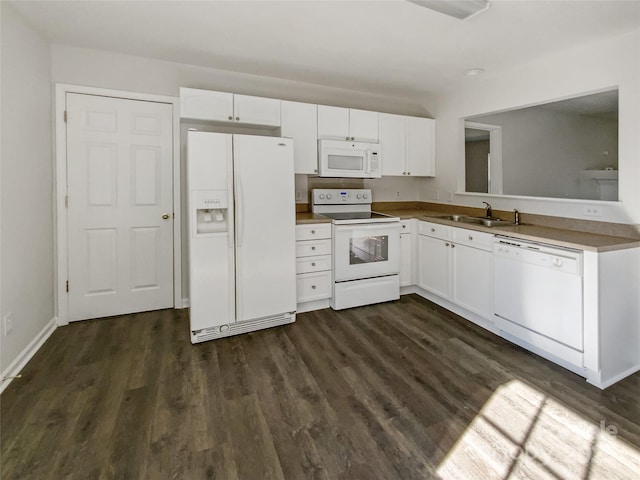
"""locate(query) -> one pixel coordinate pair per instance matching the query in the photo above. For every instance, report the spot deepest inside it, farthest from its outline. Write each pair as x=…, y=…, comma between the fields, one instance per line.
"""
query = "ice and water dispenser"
x=211, y=211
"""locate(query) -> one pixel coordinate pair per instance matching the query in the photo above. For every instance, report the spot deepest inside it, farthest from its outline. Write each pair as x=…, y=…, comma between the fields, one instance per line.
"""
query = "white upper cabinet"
x=337, y=123
x=421, y=147
x=198, y=104
x=256, y=110
x=408, y=145
x=227, y=107
x=300, y=122
x=393, y=144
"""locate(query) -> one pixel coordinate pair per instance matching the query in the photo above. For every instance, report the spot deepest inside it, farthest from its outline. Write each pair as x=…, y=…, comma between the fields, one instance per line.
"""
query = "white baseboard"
x=21, y=360
x=185, y=303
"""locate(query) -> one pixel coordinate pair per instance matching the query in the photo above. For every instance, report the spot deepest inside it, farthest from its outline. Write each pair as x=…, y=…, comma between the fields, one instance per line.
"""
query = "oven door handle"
x=369, y=226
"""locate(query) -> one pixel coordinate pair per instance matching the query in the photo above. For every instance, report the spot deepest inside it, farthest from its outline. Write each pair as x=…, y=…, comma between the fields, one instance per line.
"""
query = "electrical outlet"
x=592, y=211
x=397, y=194
x=436, y=195
x=8, y=323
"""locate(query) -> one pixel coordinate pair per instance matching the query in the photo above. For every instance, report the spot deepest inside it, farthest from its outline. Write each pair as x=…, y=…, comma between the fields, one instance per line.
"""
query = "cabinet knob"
x=313, y=232
x=352, y=138
x=313, y=264
x=165, y=216
x=453, y=245
x=313, y=287
x=315, y=170
x=433, y=229
x=313, y=248
x=470, y=237
x=237, y=118
x=404, y=226
x=346, y=138
x=408, y=173
x=446, y=244
x=230, y=117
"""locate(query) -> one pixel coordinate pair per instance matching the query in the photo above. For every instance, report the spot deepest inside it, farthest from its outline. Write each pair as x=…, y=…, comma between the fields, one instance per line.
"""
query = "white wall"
x=27, y=201
x=589, y=68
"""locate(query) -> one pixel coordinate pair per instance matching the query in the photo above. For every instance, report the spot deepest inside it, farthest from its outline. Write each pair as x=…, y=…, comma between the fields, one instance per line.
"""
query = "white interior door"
x=120, y=210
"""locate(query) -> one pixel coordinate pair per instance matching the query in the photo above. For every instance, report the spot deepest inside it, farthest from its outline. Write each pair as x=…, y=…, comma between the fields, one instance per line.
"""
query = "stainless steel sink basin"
x=487, y=222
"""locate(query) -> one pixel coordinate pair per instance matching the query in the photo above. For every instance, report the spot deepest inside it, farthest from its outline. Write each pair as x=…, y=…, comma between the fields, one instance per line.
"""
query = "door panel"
x=119, y=170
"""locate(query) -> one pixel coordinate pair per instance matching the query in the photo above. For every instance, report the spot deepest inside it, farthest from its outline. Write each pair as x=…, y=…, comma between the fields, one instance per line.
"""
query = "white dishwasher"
x=538, y=291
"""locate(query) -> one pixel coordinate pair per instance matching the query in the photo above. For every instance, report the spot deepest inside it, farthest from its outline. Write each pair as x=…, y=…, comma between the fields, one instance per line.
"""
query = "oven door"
x=365, y=250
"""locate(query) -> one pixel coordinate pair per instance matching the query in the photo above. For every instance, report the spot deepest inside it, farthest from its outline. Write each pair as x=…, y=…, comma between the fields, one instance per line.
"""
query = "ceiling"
x=387, y=47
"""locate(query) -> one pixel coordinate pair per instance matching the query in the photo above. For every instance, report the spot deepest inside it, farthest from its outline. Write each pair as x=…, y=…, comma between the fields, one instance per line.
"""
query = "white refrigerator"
x=242, y=270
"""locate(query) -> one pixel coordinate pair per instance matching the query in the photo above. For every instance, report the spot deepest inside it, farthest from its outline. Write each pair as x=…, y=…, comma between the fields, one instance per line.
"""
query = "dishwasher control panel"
x=566, y=261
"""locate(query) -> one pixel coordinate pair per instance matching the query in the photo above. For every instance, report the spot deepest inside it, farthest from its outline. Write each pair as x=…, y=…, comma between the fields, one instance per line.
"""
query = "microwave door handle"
x=368, y=162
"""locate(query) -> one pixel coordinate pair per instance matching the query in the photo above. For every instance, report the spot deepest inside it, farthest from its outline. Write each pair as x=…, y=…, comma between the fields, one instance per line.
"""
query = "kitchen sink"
x=487, y=222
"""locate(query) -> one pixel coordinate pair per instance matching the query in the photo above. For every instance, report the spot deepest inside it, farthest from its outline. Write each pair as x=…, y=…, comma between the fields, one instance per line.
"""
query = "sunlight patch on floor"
x=522, y=433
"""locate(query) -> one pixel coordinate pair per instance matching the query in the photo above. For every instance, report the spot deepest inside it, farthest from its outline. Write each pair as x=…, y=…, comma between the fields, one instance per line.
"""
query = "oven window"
x=345, y=162
x=368, y=249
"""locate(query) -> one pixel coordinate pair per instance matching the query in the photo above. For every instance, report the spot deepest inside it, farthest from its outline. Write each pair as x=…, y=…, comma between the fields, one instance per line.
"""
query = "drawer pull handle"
x=313, y=248
x=313, y=264
x=313, y=287
x=470, y=237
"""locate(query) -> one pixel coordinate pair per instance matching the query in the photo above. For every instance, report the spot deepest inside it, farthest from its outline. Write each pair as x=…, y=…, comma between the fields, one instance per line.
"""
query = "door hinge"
x=67, y=285
x=66, y=201
x=65, y=116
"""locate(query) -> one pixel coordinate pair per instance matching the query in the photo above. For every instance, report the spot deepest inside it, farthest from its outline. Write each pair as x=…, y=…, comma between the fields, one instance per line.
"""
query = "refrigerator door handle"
x=239, y=212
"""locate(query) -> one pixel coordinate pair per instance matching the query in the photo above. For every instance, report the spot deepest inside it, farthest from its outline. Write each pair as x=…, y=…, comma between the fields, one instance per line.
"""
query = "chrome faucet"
x=489, y=211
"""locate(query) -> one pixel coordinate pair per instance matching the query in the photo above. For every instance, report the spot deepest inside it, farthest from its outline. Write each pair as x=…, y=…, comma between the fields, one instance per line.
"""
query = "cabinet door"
x=363, y=125
x=333, y=122
x=420, y=141
x=300, y=122
x=392, y=143
x=434, y=270
x=472, y=278
x=198, y=104
x=256, y=110
x=406, y=260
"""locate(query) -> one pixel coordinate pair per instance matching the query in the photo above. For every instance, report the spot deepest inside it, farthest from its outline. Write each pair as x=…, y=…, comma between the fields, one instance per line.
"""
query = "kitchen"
x=543, y=79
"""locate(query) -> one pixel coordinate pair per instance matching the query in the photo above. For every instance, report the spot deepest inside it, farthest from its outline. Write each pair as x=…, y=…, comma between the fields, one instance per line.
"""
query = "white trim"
x=185, y=303
x=595, y=378
x=30, y=350
x=60, y=190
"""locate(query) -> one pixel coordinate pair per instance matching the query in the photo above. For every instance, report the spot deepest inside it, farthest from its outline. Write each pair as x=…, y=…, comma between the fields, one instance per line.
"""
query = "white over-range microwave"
x=339, y=158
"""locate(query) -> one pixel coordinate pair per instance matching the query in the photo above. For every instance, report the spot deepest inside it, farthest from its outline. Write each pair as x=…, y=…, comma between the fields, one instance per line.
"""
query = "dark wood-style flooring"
x=401, y=390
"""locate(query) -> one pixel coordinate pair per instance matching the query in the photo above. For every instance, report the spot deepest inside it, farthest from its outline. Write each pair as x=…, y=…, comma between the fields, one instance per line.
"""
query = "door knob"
x=165, y=216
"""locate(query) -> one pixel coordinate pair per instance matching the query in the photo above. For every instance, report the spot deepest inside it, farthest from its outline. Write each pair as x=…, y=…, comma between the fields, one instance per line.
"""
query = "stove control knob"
x=365, y=196
x=328, y=196
x=322, y=196
x=359, y=196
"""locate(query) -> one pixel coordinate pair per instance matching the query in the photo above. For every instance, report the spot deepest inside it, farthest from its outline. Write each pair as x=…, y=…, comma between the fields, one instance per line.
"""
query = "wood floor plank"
x=399, y=390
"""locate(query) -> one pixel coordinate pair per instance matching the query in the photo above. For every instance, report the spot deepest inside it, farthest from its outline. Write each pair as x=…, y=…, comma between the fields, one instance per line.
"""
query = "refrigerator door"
x=265, y=226
x=211, y=230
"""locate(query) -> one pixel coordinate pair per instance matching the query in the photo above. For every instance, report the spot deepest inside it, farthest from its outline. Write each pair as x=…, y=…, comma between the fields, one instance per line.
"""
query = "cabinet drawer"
x=313, y=264
x=313, y=230
x=472, y=238
x=434, y=230
x=309, y=248
x=406, y=226
x=313, y=286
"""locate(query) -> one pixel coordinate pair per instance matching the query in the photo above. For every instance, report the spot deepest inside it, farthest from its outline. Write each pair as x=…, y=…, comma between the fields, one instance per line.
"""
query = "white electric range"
x=366, y=248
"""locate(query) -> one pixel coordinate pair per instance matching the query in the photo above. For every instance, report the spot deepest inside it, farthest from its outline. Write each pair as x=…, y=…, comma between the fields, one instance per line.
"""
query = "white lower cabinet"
x=456, y=264
x=313, y=263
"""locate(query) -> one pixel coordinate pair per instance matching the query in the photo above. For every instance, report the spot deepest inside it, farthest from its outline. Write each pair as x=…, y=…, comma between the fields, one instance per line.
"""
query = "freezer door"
x=265, y=226
x=211, y=235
